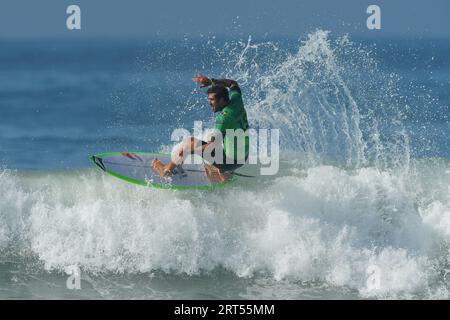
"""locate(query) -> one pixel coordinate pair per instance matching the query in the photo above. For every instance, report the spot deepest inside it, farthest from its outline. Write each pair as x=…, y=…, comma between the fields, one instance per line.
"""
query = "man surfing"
x=224, y=96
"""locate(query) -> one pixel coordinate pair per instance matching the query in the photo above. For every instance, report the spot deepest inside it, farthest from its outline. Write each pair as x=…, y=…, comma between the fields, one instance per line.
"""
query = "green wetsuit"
x=234, y=116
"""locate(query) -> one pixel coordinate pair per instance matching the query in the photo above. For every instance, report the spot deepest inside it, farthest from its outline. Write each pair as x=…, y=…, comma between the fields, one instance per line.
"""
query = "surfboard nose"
x=98, y=162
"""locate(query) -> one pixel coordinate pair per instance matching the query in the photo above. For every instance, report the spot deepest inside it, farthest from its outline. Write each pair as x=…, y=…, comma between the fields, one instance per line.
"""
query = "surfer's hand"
x=211, y=137
x=201, y=80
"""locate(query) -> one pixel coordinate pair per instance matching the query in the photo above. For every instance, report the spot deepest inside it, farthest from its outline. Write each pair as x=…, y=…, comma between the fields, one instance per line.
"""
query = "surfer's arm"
x=206, y=145
x=233, y=85
x=196, y=146
x=204, y=82
x=201, y=149
x=211, y=140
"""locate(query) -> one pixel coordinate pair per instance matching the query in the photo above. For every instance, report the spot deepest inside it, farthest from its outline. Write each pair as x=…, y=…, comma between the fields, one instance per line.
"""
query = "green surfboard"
x=135, y=167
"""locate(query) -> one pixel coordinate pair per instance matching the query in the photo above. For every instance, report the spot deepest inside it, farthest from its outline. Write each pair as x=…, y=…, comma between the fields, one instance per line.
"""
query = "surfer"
x=224, y=96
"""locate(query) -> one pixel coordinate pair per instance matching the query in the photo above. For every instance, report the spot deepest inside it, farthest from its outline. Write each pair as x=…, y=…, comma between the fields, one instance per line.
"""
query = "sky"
x=260, y=18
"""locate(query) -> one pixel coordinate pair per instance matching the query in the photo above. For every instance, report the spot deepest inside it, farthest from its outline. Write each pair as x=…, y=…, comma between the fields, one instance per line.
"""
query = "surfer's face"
x=216, y=105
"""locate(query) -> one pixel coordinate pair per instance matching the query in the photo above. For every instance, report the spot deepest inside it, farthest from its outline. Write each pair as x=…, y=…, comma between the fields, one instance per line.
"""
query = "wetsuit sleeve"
x=236, y=97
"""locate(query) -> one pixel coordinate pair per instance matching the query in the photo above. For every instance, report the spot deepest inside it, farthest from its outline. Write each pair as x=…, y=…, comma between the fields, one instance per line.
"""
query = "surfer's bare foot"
x=159, y=168
x=214, y=174
x=226, y=176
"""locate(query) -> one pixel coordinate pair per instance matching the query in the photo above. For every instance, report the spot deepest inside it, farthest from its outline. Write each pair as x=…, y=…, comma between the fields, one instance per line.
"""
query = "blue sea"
x=359, y=209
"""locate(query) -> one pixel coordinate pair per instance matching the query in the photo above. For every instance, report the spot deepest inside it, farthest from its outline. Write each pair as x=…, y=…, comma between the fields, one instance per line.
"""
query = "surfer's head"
x=218, y=97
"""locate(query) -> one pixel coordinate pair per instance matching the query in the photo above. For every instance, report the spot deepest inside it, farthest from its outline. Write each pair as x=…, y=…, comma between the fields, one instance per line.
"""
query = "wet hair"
x=220, y=92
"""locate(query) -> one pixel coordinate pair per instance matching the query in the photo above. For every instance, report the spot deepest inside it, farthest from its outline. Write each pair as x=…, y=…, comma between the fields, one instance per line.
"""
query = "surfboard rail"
x=129, y=158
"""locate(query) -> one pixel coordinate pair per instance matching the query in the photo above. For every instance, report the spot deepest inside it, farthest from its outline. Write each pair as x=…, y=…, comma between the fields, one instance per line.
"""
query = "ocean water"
x=360, y=207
